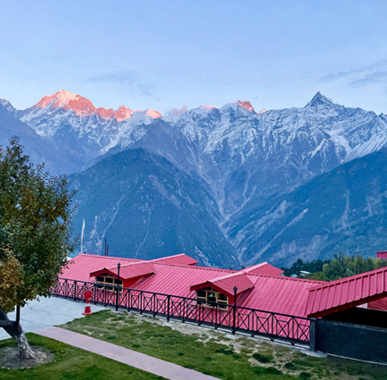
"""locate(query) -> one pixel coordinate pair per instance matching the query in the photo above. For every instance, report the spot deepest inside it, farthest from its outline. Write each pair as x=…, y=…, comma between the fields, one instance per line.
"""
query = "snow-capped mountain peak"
x=246, y=105
x=144, y=117
x=202, y=110
x=7, y=105
x=319, y=100
x=123, y=113
x=81, y=106
x=59, y=99
x=152, y=113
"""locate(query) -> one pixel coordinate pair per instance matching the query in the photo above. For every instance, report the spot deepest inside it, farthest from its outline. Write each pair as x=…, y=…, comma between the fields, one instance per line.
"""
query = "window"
x=106, y=281
x=209, y=297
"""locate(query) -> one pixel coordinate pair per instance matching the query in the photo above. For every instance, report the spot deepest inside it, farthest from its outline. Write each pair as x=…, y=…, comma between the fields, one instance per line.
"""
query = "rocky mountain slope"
x=344, y=210
x=146, y=208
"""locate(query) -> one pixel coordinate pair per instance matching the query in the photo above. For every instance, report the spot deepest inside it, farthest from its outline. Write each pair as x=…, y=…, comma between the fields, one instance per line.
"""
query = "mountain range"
x=229, y=186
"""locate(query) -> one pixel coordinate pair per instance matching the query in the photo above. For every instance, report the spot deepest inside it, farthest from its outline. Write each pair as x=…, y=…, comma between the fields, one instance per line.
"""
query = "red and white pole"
x=87, y=297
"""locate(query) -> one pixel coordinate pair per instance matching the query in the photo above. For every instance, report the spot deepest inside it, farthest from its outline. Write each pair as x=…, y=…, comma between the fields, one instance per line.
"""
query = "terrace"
x=255, y=301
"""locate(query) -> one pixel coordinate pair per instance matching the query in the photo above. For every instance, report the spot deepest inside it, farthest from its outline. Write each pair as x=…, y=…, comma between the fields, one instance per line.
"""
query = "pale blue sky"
x=166, y=54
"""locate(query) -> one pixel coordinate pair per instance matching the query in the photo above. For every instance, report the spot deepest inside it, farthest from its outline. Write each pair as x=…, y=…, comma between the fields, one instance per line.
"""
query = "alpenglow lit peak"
x=240, y=103
x=81, y=106
x=146, y=116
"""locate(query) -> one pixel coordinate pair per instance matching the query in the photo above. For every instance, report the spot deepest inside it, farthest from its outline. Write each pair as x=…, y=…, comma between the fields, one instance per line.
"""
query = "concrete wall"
x=351, y=340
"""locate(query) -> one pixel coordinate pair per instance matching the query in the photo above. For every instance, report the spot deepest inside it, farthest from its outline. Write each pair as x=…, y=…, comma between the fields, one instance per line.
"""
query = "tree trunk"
x=14, y=329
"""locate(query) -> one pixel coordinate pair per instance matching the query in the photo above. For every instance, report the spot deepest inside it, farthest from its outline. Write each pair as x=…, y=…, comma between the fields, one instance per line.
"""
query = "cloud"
x=128, y=78
x=361, y=76
x=374, y=77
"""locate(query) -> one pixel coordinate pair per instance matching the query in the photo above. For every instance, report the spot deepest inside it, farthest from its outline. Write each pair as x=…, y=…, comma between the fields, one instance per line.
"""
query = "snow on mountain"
x=240, y=103
x=242, y=157
x=73, y=121
x=81, y=106
x=6, y=105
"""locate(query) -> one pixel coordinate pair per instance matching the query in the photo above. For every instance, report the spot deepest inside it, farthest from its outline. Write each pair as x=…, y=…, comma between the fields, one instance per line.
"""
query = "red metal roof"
x=181, y=259
x=272, y=293
x=346, y=293
x=380, y=304
x=127, y=271
x=80, y=267
x=263, y=268
x=381, y=255
x=278, y=294
x=227, y=283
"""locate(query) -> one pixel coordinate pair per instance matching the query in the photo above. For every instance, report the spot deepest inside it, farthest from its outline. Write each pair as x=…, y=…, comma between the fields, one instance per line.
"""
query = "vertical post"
x=312, y=334
x=168, y=307
x=75, y=290
x=118, y=280
x=95, y=293
x=234, y=311
x=66, y=288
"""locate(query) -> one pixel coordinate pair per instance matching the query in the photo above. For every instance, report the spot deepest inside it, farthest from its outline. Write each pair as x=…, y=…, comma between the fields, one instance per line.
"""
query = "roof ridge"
x=195, y=267
x=108, y=257
x=251, y=267
x=346, y=279
x=135, y=263
x=228, y=276
x=286, y=278
x=169, y=257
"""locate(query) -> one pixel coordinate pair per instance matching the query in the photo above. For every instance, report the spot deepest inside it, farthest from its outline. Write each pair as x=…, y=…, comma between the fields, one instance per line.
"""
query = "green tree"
x=35, y=235
x=345, y=266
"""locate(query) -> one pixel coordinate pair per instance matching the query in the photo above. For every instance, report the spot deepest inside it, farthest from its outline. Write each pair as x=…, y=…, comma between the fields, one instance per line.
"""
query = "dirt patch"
x=10, y=359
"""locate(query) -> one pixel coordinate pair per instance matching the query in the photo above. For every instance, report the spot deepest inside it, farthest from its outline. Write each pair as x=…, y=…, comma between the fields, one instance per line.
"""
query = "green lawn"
x=215, y=353
x=71, y=363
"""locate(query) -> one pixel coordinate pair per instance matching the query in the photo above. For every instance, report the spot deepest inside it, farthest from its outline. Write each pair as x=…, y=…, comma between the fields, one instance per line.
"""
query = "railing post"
x=293, y=338
x=118, y=280
x=75, y=290
x=66, y=288
x=129, y=297
x=234, y=311
x=168, y=307
x=141, y=297
x=95, y=293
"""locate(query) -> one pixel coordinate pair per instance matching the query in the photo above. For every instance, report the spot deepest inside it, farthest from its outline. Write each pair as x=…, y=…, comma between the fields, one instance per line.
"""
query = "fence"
x=235, y=319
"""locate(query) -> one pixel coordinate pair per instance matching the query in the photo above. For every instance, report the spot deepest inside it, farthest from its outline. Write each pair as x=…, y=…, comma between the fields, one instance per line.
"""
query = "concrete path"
x=124, y=355
x=47, y=312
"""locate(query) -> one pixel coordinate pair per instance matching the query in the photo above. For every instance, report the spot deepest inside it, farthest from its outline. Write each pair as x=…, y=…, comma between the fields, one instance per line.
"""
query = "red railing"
x=235, y=319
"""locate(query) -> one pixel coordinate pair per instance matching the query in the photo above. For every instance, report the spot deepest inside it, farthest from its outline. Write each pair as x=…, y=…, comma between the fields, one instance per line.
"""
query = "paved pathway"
x=47, y=312
x=124, y=355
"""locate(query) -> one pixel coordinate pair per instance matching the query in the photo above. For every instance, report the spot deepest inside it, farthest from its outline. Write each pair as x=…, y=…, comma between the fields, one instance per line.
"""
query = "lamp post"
x=118, y=281
x=234, y=311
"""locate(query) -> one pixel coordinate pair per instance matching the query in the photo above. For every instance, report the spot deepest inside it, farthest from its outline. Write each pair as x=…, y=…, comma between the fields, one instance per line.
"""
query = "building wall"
x=351, y=340
x=360, y=316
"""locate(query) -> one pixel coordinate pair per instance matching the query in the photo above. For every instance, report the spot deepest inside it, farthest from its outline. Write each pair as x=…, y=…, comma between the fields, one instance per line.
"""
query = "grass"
x=71, y=363
x=218, y=354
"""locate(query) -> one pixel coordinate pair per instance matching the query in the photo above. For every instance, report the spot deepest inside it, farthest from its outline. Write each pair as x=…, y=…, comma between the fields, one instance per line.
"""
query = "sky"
x=170, y=54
